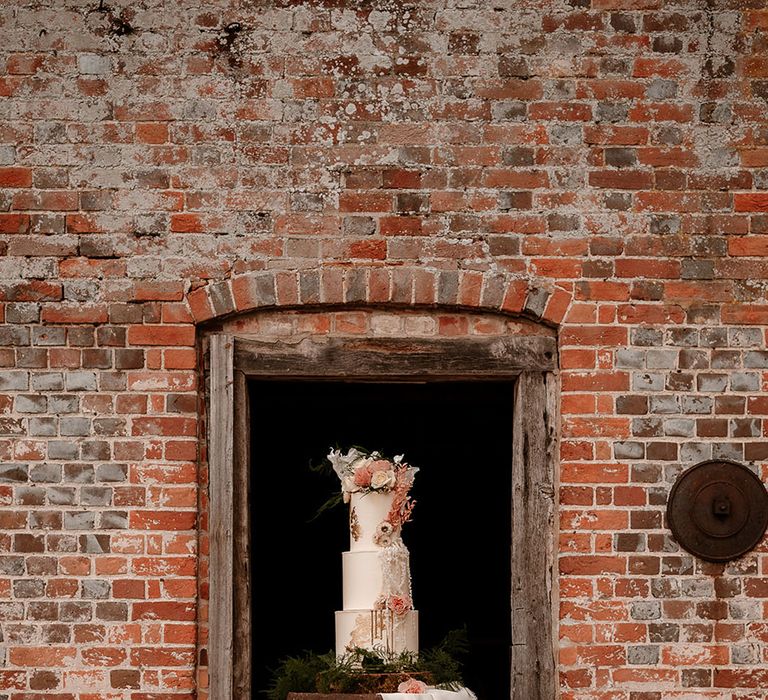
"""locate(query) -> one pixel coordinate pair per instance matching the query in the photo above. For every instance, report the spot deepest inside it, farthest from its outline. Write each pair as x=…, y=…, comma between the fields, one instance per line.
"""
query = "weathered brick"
x=599, y=165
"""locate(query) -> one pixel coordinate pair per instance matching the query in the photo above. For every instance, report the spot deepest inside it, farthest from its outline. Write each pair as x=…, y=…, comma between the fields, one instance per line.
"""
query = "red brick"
x=14, y=223
x=590, y=565
x=71, y=313
x=42, y=657
x=161, y=335
x=15, y=177
x=164, y=610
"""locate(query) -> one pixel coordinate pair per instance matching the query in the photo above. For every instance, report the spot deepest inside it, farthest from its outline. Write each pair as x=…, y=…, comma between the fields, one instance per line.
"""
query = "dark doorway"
x=460, y=435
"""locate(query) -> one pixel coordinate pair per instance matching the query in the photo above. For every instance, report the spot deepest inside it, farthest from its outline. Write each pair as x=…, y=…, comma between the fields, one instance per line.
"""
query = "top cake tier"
x=367, y=512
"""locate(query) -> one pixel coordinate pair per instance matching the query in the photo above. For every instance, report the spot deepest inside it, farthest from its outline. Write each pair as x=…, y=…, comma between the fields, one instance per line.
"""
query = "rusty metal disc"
x=718, y=510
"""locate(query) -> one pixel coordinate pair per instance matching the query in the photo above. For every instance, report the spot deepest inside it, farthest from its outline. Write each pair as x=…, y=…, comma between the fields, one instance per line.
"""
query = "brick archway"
x=404, y=286
x=267, y=325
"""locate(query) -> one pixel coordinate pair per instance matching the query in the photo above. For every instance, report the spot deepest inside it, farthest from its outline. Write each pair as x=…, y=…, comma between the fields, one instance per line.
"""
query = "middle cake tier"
x=363, y=579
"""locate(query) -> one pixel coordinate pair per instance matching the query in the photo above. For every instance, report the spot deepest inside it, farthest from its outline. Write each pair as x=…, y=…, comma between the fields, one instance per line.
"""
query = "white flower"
x=361, y=461
x=385, y=528
x=341, y=463
x=383, y=480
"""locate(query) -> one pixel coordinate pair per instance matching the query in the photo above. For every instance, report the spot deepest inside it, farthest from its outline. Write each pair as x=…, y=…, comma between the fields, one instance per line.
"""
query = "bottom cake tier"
x=380, y=630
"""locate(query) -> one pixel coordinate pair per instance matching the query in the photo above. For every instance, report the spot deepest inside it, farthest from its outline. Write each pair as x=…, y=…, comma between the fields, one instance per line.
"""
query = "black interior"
x=460, y=435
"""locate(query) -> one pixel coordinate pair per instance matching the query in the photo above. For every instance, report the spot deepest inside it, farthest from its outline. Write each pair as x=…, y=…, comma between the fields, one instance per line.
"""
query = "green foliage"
x=298, y=674
x=325, y=673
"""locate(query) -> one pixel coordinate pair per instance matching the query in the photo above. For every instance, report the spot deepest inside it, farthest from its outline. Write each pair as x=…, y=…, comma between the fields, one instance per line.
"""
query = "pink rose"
x=399, y=604
x=412, y=686
x=380, y=465
x=363, y=477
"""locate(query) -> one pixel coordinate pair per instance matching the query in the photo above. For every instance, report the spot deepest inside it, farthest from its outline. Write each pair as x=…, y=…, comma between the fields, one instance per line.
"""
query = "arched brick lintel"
x=403, y=286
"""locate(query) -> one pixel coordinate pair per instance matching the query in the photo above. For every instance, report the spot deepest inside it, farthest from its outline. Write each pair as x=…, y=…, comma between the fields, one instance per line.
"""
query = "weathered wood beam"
x=533, y=506
x=220, y=518
x=396, y=357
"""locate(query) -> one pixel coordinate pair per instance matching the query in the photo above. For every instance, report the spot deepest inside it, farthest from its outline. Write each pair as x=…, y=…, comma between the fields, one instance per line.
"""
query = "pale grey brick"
x=679, y=427
x=745, y=381
x=697, y=588
x=756, y=359
x=63, y=403
x=645, y=610
x=48, y=381
x=79, y=521
x=61, y=495
x=664, y=404
x=728, y=450
x=95, y=496
x=712, y=382
x=111, y=472
x=644, y=655
x=682, y=337
x=660, y=359
x=647, y=381
x=81, y=380
x=7, y=154
x=662, y=89
x=12, y=566
x=692, y=452
x=714, y=337
x=95, y=589
x=62, y=449
x=628, y=358
x=42, y=427
x=628, y=450
x=30, y=403
x=94, y=64
x=14, y=381
x=646, y=337
x=14, y=336
x=22, y=313
x=745, y=337
x=49, y=335
x=745, y=654
x=72, y=426
x=13, y=473
x=700, y=405
x=726, y=359
x=46, y=473
x=113, y=520
x=745, y=609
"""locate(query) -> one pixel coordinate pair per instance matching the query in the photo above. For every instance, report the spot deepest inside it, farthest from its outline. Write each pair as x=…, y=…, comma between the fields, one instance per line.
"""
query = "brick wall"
x=599, y=166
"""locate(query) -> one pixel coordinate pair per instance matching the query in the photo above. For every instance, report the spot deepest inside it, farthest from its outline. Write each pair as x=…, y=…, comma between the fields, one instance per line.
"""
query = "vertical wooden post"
x=533, y=449
x=241, y=540
x=220, y=527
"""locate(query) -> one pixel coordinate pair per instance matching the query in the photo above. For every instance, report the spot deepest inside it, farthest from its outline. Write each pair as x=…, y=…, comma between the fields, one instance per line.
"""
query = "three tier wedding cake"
x=377, y=599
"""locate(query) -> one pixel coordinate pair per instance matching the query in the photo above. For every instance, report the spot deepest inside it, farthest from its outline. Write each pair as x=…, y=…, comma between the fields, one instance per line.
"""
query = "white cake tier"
x=367, y=511
x=363, y=578
x=377, y=629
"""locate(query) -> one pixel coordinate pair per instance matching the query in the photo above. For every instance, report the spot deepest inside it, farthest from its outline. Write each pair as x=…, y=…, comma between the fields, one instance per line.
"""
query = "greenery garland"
x=360, y=669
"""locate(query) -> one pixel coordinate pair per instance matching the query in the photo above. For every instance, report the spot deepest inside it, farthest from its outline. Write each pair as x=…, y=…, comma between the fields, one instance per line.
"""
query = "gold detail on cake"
x=361, y=632
x=354, y=524
x=382, y=630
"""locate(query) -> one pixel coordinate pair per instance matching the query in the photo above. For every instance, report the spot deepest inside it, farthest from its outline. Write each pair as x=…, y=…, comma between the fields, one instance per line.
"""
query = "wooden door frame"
x=531, y=361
